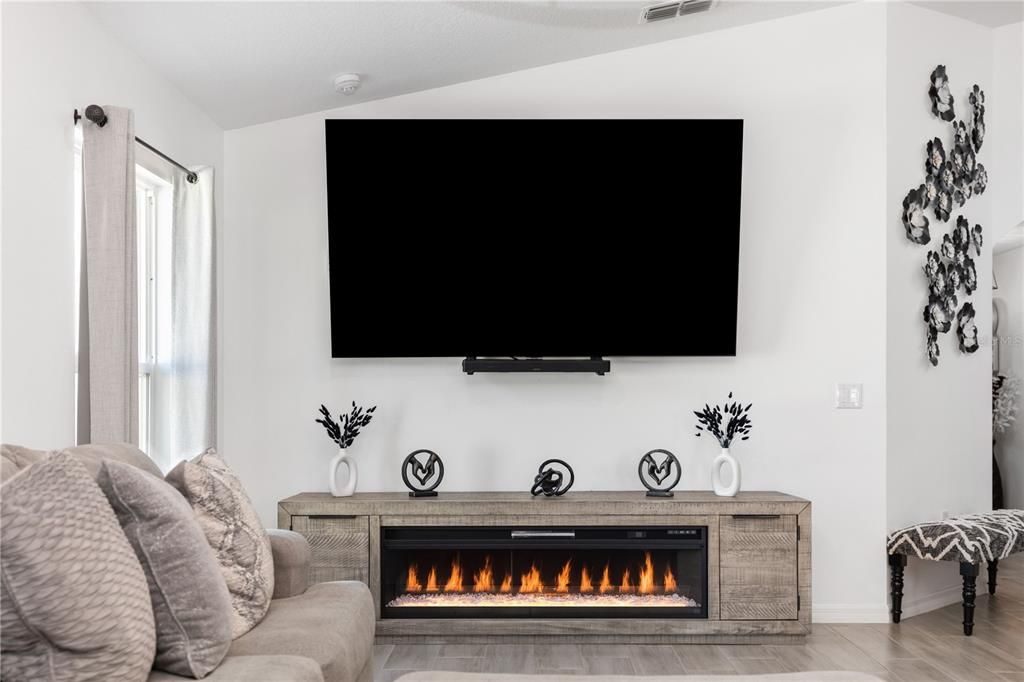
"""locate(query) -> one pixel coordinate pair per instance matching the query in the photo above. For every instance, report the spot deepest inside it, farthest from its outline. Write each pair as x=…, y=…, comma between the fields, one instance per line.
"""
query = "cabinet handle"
x=757, y=516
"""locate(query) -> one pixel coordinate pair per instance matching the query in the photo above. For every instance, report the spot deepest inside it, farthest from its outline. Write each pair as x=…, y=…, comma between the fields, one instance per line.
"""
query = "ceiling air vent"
x=659, y=12
x=672, y=10
x=694, y=6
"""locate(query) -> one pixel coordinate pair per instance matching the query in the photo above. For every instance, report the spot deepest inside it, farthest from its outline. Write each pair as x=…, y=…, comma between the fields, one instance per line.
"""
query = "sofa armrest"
x=292, y=557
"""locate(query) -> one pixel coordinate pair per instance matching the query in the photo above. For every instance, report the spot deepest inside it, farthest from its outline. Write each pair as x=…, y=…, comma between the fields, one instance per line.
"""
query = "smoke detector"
x=347, y=83
x=671, y=10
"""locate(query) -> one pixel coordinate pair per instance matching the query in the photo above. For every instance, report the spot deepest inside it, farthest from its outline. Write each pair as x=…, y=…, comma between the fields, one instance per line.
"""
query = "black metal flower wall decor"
x=952, y=177
x=942, y=97
x=966, y=329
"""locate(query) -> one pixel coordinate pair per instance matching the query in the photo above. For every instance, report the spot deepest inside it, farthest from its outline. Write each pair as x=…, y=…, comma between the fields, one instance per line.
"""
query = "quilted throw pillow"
x=191, y=604
x=234, y=531
x=74, y=604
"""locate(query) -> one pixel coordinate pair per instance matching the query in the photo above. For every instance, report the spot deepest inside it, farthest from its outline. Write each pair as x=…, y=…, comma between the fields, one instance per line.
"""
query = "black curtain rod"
x=95, y=113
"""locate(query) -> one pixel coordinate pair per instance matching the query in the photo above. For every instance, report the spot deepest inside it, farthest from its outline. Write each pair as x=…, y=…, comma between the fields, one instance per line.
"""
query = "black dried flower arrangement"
x=351, y=424
x=739, y=424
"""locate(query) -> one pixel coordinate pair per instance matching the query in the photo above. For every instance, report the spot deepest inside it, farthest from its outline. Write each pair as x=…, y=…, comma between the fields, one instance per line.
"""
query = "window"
x=152, y=221
x=153, y=224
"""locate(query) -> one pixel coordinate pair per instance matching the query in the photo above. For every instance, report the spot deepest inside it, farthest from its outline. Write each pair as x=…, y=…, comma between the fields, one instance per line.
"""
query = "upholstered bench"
x=969, y=539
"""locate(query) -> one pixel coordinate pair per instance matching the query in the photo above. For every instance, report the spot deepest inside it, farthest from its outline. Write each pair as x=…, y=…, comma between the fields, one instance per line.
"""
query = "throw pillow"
x=74, y=604
x=191, y=604
x=233, y=529
x=94, y=454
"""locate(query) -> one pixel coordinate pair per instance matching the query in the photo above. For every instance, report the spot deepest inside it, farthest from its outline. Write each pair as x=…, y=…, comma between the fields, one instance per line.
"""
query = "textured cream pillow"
x=235, y=533
x=74, y=604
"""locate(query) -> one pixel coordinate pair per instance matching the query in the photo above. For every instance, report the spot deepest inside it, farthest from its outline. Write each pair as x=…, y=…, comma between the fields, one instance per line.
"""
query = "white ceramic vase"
x=349, y=485
x=725, y=458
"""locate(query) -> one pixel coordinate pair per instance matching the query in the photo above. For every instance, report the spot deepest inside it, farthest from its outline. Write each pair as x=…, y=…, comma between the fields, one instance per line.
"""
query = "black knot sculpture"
x=554, y=478
x=427, y=473
x=659, y=477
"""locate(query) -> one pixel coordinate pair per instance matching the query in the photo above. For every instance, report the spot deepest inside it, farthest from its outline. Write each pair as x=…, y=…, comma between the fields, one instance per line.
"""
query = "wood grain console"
x=759, y=559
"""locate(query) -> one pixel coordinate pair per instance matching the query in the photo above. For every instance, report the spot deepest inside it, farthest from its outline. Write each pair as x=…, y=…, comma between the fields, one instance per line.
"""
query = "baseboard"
x=866, y=613
x=849, y=613
x=934, y=600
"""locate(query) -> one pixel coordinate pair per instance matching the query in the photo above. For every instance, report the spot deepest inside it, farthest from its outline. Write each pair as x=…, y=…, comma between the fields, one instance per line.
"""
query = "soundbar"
x=597, y=365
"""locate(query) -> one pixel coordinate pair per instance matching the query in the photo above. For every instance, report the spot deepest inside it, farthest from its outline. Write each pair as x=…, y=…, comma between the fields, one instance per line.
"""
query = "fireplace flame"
x=625, y=586
x=412, y=582
x=606, y=581
x=563, y=577
x=585, y=584
x=432, y=580
x=646, y=585
x=454, y=583
x=531, y=582
x=483, y=580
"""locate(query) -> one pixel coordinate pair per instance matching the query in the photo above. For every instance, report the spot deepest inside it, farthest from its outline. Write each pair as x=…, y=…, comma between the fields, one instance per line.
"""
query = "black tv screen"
x=533, y=238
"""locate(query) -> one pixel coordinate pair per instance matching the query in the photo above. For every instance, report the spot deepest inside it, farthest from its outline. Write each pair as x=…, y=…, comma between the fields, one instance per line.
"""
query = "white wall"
x=939, y=418
x=1009, y=270
x=812, y=287
x=1006, y=107
x=57, y=58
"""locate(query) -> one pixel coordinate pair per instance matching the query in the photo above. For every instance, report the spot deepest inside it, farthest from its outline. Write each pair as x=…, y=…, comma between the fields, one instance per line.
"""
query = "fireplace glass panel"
x=506, y=572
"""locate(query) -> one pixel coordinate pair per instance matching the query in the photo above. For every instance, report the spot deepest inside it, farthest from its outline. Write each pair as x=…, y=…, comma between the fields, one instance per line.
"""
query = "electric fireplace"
x=549, y=572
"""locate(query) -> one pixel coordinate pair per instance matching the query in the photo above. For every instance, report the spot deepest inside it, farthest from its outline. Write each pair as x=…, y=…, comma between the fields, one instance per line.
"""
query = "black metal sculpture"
x=654, y=474
x=551, y=482
x=423, y=472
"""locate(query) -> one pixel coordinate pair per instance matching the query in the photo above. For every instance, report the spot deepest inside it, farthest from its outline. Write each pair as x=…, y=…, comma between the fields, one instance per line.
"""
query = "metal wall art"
x=427, y=472
x=659, y=477
x=554, y=478
x=952, y=177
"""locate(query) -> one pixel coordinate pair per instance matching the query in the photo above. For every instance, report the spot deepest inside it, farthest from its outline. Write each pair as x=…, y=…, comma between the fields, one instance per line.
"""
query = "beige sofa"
x=312, y=633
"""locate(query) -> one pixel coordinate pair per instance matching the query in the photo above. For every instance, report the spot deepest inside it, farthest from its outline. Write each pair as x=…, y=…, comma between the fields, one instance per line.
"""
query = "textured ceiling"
x=250, y=62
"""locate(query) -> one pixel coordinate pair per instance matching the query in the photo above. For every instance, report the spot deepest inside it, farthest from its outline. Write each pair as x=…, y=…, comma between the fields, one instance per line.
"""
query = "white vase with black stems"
x=710, y=420
x=344, y=434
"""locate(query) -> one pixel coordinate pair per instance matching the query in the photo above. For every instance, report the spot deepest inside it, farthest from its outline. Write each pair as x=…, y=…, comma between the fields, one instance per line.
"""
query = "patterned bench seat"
x=969, y=540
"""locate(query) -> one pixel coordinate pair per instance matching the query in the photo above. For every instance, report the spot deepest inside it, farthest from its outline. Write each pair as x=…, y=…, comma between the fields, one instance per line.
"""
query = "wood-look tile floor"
x=926, y=648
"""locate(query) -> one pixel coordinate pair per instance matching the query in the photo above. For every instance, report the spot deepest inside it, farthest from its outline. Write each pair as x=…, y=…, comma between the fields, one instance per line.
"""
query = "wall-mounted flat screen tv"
x=533, y=238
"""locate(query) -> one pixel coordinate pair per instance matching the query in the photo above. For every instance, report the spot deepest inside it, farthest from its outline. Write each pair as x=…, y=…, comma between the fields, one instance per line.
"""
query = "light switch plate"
x=849, y=396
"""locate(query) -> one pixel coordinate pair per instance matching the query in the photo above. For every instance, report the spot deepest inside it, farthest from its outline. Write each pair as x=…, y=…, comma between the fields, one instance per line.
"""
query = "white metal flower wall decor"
x=952, y=177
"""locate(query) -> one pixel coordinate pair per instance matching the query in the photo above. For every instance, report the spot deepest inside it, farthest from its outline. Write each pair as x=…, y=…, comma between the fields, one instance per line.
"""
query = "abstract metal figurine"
x=549, y=481
x=422, y=472
x=653, y=475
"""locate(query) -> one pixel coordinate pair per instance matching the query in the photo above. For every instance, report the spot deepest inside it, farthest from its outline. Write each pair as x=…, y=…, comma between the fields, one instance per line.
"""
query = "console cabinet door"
x=340, y=544
x=758, y=578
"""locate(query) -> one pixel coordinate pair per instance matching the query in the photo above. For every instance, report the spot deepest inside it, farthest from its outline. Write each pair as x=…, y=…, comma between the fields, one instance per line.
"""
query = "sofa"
x=312, y=633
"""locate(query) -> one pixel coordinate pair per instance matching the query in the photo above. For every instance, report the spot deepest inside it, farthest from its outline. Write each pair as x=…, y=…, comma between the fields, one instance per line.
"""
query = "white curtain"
x=108, y=354
x=185, y=424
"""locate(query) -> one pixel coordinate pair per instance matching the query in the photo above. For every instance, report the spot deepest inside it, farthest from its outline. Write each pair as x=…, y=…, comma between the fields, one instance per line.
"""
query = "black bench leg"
x=970, y=574
x=897, y=562
x=993, y=568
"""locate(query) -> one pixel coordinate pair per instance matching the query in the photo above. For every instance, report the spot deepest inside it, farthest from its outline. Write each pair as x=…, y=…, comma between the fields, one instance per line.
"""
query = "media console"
x=588, y=567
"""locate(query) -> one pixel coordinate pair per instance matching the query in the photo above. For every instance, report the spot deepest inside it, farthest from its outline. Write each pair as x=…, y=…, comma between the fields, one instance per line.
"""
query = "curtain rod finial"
x=95, y=113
